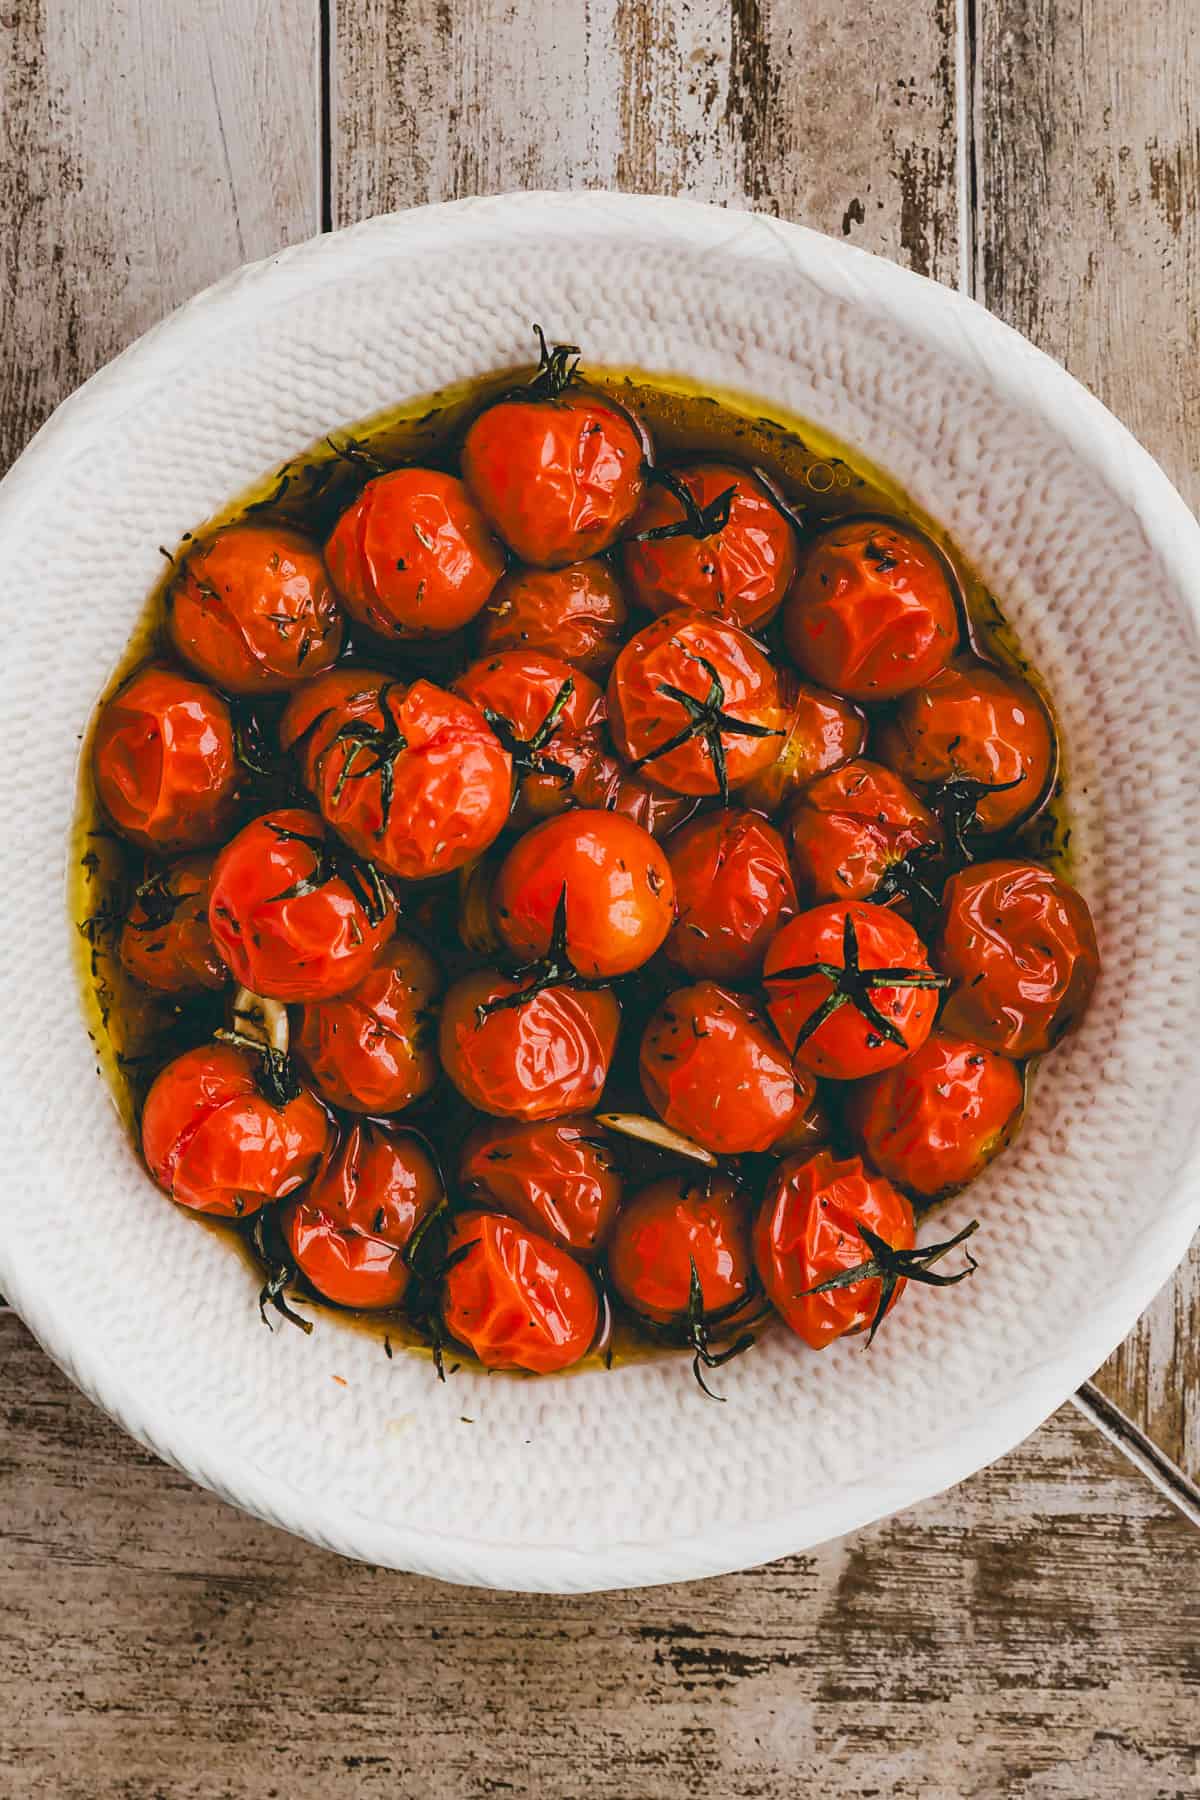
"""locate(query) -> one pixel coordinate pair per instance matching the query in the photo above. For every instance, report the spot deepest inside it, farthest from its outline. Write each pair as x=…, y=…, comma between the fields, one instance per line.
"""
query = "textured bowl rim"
x=1027, y=377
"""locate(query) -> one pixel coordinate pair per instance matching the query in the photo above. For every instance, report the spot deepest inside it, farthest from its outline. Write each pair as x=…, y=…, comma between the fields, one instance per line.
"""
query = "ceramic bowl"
x=629, y=1477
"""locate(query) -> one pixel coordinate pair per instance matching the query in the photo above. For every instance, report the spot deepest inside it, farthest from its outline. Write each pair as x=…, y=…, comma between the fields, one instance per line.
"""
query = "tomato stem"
x=890, y=1266
x=853, y=985
x=707, y=719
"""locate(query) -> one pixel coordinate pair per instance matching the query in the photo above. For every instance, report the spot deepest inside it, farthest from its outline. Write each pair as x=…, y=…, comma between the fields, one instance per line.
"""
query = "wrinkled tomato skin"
x=740, y=573
x=1020, y=945
x=667, y=1227
x=577, y=613
x=642, y=717
x=516, y=1300
x=934, y=1123
x=620, y=895
x=733, y=890
x=871, y=613
x=846, y=1046
x=556, y=1176
x=547, y=1057
x=822, y=731
x=977, y=721
x=806, y=1231
x=177, y=955
x=850, y=827
x=372, y=1049
x=522, y=687
x=413, y=556
x=451, y=779
x=559, y=479
x=603, y=783
x=309, y=946
x=253, y=610
x=164, y=761
x=215, y=1144
x=712, y=1069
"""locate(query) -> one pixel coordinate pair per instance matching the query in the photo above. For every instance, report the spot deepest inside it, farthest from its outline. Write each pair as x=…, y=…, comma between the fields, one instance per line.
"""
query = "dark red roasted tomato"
x=603, y=783
x=516, y=1300
x=671, y=1227
x=821, y=731
x=373, y=1049
x=711, y=536
x=713, y=1069
x=850, y=829
x=733, y=890
x=936, y=1121
x=557, y=1176
x=527, y=1053
x=253, y=609
x=538, y=706
x=163, y=755
x=577, y=613
x=165, y=941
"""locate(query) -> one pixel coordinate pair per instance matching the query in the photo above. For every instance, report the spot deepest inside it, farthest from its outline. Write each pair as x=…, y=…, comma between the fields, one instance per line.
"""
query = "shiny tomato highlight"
x=577, y=613
x=373, y=1048
x=712, y=1069
x=164, y=761
x=516, y=1300
x=672, y=1226
x=252, y=609
x=539, y=1054
x=936, y=1121
x=733, y=890
x=557, y=1176
x=165, y=941
x=850, y=828
x=711, y=536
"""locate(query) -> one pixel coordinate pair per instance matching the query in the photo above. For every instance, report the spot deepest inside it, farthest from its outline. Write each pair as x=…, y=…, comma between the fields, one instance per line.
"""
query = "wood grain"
x=1009, y=1639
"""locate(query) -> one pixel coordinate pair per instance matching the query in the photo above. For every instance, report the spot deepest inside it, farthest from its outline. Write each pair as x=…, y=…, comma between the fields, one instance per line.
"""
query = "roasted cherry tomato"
x=165, y=941
x=1021, y=948
x=252, y=609
x=516, y=1300
x=164, y=761
x=850, y=829
x=373, y=1049
x=350, y=1231
x=412, y=777
x=850, y=989
x=676, y=1225
x=589, y=889
x=556, y=468
x=413, y=557
x=938, y=1119
x=577, y=613
x=556, y=1176
x=215, y=1142
x=291, y=914
x=733, y=890
x=603, y=783
x=711, y=536
x=821, y=730
x=712, y=1069
x=537, y=705
x=981, y=738
x=811, y=1128
x=527, y=1052
x=872, y=612
x=695, y=704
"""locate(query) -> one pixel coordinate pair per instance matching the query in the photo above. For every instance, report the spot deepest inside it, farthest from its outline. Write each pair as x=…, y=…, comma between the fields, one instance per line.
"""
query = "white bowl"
x=631, y=1477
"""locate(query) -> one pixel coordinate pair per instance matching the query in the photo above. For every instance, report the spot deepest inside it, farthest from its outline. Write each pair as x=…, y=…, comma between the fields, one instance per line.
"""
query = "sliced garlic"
x=653, y=1131
x=265, y=1021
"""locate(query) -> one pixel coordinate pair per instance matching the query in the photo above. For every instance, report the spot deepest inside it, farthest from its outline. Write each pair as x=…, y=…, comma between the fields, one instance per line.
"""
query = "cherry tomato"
x=850, y=989
x=213, y=1140
x=872, y=612
x=806, y=1232
x=413, y=556
x=349, y=1233
x=252, y=609
x=695, y=703
x=412, y=777
x=671, y=1227
x=536, y=704
x=1021, y=948
x=733, y=890
x=811, y=1128
x=516, y=1300
x=165, y=941
x=711, y=536
x=712, y=1069
x=539, y=1053
x=938, y=1119
x=164, y=761
x=594, y=879
x=372, y=1049
x=557, y=1176
x=981, y=737
x=821, y=731
x=557, y=469
x=851, y=827
x=577, y=613
x=603, y=783
x=290, y=914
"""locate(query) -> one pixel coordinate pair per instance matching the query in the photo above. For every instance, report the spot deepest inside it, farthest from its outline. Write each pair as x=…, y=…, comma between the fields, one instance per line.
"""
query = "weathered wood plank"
x=1087, y=152
x=1008, y=1639
x=146, y=147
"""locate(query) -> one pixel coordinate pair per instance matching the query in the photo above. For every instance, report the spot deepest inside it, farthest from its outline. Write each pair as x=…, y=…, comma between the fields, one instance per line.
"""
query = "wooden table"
x=1033, y=1633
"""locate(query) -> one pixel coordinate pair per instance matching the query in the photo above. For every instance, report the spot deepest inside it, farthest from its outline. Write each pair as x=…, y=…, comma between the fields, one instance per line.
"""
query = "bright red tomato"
x=527, y=1052
x=872, y=612
x=516, y=1300
x=165, y=941
x=937, y=1120
x=603, y=783
x=373, y=1049
x=671, y=1227
x=291, y=915
x=733, y=890
x=711, y=536
x=712, y=1069
x=557, y=1176
x=537, y=705
x=166, y=771
x=850, y=828
x=213, y=1140
x=821, y=731
x=577, y=613
x=252, y=609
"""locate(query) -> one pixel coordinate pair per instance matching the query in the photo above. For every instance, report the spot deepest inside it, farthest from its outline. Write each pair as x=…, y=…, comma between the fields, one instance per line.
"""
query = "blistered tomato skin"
x=934, y=1123
x=712, y=1069
x=806, y=1232
x=253, y=610
x=735, y=555
x=413, y=556
x=373, y=1049
x=603, y=783
x=538, y=706
x=216, y=1144
x=516, y=1300
x=850, y=827
x=1020, y=947
x=164, y=761
x=671, y=1226
x=165, y=941
x=821, y=731
x=539, y=1059
x=733, y=890
x=286, y=921
x=557, y=1176
x=577, y=613
x=871, y=613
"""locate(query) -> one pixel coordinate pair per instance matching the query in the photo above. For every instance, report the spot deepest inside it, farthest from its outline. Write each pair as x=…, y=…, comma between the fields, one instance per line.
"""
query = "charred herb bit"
x=424, y=1292
x=883, y=559
x=853, y=985
x=376, y=748
x=349, y=450
x=158, y=900
x=890, y=1266
x=278, y=1265
x=956, y=803
x=556, y=368
x=104, y=922
x=528, y=754
x=917, y=878
x=555, y=969
x=275, y=1077
x=707, y=719
x=698, y=1334
x=697, y=521
x=333, y=861
x=251, y=744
